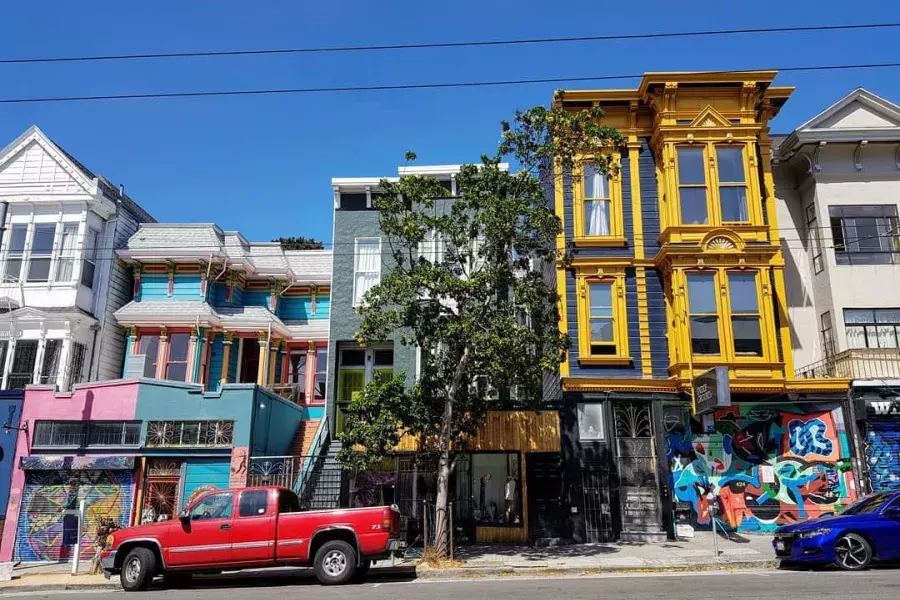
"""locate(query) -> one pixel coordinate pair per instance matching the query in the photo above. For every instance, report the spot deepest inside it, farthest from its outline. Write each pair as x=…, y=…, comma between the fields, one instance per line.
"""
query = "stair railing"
x=319, y=442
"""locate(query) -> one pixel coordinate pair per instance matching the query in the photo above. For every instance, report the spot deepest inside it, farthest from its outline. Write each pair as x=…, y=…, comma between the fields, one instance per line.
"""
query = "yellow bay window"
x=727, y=320
x=713, y=185
x=602, y=319
x=598, y=207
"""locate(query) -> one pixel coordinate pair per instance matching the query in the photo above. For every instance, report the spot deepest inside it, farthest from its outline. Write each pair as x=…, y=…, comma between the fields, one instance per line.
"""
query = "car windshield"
x=867, y=505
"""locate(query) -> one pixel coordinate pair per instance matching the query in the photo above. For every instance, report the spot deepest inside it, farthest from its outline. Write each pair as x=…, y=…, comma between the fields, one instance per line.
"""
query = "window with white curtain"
x=596, y=201
x=366, y=267
x=431, y=248
x=872, y=328
x=66, y=260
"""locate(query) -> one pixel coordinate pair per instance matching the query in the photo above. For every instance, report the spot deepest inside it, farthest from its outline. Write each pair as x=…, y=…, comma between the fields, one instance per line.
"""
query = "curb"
x=487, y=572
x=59, y=587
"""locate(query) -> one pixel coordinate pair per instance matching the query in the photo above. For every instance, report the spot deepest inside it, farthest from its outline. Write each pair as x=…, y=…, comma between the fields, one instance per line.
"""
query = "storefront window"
x=496, y=488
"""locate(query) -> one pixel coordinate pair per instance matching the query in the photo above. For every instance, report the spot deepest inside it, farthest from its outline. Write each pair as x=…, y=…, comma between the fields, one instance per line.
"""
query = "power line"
x=426, y=45
x=405, y=87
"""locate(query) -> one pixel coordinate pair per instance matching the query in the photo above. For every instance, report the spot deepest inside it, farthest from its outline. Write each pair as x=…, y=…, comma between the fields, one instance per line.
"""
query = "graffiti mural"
x=883, y=454
x=49, y=495
x=767, y=465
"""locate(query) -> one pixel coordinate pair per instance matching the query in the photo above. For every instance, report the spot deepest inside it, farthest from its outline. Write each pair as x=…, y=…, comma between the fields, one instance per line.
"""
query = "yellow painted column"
x=562, y=308
x=311, y=368
x=784, y=331
x=163, y=353
x=263, y=358
x=636, y=215
x=226, y=355
x=644, y=321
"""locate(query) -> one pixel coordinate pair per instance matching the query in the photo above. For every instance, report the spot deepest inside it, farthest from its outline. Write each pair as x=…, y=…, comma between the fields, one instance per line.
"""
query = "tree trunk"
x=441, y=517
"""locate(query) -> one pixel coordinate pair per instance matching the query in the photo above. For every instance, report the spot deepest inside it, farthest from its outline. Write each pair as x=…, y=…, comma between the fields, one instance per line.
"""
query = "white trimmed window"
x=366, y=267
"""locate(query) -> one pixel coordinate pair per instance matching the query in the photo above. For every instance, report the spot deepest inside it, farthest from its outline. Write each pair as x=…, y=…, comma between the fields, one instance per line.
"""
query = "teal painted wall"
x=233, y=357
x=296, y=308
x=169, y=401
x=156, y=287
x=256, y=298
x=201, y=476
x=215, y=361
x=274, y=426
x=217, y=295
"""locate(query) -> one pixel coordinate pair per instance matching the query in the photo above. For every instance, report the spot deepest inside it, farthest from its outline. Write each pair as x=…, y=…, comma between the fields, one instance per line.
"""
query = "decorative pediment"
x=861, y=109
x=721, y=240
x=710, y=117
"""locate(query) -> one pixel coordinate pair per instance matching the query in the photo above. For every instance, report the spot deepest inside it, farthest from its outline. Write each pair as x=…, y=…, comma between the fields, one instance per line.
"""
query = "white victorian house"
x=60, y=280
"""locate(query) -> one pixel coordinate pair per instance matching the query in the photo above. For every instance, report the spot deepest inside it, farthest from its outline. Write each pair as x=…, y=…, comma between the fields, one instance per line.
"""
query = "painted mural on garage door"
x=49, y=495
x=767, y=465
x=883, y=455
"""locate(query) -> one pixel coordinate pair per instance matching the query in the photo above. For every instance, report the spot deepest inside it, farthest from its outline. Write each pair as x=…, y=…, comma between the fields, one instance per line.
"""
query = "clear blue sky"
x=264, y=164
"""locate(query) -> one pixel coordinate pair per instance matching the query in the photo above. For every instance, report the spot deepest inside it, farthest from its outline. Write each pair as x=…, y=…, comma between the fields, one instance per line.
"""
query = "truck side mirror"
x=185, y=517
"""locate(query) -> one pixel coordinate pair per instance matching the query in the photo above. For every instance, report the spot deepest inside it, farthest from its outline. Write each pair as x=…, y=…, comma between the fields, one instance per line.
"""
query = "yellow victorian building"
x=676, y=268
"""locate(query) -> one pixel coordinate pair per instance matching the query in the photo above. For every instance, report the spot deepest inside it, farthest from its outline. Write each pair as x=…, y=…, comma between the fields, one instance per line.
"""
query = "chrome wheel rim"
x=335, y=563
x=851, y=552
x=132, y=570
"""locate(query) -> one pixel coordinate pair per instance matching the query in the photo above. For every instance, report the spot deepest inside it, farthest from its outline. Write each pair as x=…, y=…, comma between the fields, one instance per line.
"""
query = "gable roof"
x=860, y=115
x=76, y=168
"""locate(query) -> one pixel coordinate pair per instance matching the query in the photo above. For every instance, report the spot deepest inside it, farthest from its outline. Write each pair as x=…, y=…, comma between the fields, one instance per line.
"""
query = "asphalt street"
x=878, y=584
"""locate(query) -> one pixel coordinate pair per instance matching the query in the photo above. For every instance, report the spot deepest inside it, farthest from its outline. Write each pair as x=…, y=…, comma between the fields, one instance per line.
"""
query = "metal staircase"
x=322, y=482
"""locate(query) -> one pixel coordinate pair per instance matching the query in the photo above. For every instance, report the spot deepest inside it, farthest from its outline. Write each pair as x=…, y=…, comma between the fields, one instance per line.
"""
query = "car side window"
x=253, y=503
x=214, y=506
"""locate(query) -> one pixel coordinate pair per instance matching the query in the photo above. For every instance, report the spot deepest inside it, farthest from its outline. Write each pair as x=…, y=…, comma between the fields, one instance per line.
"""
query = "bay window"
x=88, y=265
x=16, y=253
x=66, y=260
x=713, y=185
x=321, y=374
x=595, y=186
x=865, y=235
x=725, y=313
x=149, y=346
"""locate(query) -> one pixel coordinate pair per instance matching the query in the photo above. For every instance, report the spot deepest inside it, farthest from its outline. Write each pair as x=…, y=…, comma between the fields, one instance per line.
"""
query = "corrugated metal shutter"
x=201, y=476
x=48, y=494
x=883, y=455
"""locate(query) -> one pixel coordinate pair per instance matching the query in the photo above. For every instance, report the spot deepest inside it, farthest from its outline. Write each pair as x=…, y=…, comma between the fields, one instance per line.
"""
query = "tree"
x=484, y=318
x=299, y=243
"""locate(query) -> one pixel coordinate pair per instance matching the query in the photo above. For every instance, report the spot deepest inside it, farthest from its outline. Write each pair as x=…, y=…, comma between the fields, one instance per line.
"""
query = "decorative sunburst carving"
x=720, y=243
x=708, y=123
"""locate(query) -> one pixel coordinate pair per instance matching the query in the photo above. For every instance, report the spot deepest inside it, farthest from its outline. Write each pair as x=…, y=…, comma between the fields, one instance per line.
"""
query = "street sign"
x=712, y=390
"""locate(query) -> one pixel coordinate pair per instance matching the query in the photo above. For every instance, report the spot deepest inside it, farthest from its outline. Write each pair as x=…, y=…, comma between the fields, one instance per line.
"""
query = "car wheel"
x=852, y=552
x=335, y=563
x=177, y=580
x=138, y=570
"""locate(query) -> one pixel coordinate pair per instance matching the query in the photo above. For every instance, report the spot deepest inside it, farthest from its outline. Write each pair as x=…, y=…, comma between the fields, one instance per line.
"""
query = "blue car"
x=867, y=530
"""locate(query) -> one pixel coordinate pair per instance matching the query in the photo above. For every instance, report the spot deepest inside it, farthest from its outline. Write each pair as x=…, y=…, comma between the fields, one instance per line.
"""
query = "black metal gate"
x=597, y=507
x=636, y=459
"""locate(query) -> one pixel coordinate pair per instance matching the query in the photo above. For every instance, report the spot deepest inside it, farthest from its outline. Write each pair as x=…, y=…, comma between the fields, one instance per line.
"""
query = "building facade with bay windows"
x=837, y=183
x=677, y=266
x=60, y=280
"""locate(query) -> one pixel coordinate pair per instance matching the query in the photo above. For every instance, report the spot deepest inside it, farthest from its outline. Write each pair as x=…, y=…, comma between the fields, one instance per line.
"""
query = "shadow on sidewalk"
x=287, y=577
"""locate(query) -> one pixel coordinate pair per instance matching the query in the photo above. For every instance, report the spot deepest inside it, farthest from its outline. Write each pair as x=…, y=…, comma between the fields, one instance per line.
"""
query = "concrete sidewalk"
x=696, y=554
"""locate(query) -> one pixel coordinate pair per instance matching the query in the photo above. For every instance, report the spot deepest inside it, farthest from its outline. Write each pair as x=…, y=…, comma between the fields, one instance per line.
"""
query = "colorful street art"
x=765, y=464
x=49, y=495
x=883, y=454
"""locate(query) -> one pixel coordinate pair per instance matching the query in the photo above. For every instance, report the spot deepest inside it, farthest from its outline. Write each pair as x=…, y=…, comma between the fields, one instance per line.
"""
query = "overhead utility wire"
x=411, y=86
x=464, y=44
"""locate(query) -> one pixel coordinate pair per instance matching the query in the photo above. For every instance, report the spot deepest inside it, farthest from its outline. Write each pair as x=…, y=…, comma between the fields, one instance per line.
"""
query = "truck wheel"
x=138, y=569
x=177, y=579
x=335, y=563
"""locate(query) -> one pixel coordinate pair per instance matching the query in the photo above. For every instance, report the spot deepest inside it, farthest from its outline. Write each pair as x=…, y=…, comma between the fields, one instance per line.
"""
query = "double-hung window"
x=827, y=333
x=603, y=320
x=177, y=359
x=16, y=253
x=88, y=265
x=704, y=314
x=41, y=252
x=366, y=267
x=814, y=238
x=745, y=317
x=66, y=261
x=732, y=184
x=865, y=235
x=597, y=200
x=692, y=186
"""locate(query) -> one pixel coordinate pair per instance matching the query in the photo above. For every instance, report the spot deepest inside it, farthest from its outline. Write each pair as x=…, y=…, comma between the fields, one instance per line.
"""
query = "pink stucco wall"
x=111, y=401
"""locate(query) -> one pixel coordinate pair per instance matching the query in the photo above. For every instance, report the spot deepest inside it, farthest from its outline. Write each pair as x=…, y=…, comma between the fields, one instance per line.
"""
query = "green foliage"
x=299, y=243
x=483, y=316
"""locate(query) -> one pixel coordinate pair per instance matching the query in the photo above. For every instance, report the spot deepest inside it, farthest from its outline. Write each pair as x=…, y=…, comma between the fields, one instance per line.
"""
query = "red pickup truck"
x=253, y=528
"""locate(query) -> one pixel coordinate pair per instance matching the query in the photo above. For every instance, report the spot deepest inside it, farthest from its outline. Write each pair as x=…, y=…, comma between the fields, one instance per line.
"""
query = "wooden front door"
x=544, y=477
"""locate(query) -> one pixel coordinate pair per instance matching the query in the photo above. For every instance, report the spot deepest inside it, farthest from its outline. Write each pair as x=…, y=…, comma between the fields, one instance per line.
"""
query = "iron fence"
x=272, y=470
x=858, y=363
